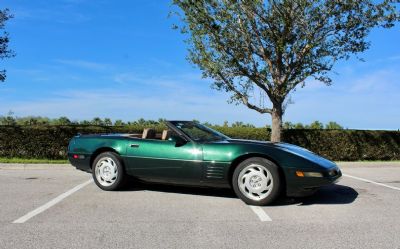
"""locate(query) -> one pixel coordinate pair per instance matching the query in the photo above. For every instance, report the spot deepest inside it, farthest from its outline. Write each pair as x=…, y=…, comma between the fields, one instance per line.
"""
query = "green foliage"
x=62, y=121
x=5, y=52
x=50, y=142
x=9, y=119
x=299, y=126
x=333, y=126
x=245, y=132
x=316, y=125
x=288, y=125
x=119, y=122
x=97, y=121
x=348, y=145
x=241, y=124
x=108, y=122
x=85, y=122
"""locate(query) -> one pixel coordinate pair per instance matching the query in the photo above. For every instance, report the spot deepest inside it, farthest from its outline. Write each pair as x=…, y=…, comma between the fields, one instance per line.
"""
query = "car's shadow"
x=333, y=194
x=156, y=187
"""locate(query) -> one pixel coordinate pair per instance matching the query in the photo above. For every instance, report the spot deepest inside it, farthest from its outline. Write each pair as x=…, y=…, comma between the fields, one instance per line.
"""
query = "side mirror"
x=179, y=141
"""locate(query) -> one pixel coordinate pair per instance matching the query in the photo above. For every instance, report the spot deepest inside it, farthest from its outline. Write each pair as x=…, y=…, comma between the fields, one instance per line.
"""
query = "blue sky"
x=121, y=59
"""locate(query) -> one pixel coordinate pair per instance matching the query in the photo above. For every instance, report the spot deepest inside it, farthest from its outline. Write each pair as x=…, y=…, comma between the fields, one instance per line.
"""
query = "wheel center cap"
x=255, y=181
x=106, y=171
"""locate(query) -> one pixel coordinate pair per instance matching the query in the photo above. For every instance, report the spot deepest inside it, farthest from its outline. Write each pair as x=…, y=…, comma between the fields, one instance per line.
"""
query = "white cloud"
x=361, y=100
x=60, y=14
x=394, y=58
x=377, y=81
x=181, y=82
x=84, y=64
x=133, y=105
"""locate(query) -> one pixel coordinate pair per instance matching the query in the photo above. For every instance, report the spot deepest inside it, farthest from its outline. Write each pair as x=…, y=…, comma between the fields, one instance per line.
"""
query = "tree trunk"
x=276, y=123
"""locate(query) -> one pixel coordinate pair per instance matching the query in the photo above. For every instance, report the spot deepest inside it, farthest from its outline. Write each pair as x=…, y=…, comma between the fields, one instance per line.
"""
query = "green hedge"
x=348, y=145
x=50, y=142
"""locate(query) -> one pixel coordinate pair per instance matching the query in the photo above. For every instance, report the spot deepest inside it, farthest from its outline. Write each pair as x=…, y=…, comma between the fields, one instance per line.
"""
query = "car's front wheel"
x=108, y=172
x=256, y=181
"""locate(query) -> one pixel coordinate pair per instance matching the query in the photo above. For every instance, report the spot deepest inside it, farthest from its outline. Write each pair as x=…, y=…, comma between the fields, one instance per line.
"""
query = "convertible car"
x=188, y=153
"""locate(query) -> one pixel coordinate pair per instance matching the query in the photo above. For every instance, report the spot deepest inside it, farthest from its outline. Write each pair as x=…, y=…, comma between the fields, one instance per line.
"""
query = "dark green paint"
x=201, y=164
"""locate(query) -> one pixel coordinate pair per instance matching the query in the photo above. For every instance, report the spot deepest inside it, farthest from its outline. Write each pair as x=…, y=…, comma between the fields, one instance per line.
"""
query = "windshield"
x=198, y=132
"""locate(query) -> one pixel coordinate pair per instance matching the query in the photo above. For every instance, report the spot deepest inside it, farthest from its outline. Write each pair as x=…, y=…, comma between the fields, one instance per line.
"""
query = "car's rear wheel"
x=108, y=172
x=256, y=181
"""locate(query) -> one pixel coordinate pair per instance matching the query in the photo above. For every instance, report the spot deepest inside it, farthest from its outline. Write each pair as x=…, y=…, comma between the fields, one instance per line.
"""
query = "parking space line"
x=51, y=203
x=373, y=182
x=262, y=215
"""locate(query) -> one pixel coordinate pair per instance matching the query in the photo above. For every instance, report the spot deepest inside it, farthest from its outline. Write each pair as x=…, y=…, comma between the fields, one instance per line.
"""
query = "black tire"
x=245, y=168
x=116, y=182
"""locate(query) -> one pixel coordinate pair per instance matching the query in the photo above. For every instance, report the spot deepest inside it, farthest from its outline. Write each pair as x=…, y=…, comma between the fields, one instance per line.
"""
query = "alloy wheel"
x=255, y=182
x=106, y=171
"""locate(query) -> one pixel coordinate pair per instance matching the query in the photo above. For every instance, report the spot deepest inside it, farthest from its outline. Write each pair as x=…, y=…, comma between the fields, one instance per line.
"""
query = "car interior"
x=150, y=133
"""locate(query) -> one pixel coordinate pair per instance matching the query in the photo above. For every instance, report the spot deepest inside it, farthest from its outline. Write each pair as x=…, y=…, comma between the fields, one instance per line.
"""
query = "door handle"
x=134, y=145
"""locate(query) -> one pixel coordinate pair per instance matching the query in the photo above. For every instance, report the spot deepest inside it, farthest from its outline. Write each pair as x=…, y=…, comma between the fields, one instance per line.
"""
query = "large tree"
x=5, y=52
x=261, y=50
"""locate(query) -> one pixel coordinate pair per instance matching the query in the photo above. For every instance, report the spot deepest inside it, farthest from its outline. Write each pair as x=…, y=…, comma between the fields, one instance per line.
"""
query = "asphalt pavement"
x=57, y=206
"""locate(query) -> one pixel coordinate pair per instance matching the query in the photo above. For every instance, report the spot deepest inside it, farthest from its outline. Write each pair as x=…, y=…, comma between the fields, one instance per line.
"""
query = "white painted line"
x=369, y=181
x=51, y=203
x=262, y=215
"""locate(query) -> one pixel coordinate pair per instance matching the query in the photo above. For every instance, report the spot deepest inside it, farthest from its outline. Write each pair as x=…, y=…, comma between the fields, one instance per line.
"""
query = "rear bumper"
x=304, y=186
x=82, y=163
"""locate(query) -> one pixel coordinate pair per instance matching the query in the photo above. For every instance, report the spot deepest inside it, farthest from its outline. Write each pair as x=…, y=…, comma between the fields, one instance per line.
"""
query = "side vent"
x=214, y=171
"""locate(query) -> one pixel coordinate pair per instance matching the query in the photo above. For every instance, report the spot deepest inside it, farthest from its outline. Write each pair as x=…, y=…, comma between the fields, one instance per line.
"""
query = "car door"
x=165, y=160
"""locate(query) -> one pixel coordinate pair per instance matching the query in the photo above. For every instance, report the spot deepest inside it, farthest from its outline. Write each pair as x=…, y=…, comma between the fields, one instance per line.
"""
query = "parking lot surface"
x=56, y=206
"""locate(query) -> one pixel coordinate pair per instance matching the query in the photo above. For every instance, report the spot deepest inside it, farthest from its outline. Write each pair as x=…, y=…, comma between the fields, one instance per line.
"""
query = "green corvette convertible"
x=188, y=153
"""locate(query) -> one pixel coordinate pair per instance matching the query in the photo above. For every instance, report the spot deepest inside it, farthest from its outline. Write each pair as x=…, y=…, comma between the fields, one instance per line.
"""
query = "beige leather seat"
x=149, y=133
x=165, y=134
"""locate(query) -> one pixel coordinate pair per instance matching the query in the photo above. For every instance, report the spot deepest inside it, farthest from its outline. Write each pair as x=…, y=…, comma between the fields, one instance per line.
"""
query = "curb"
x=29, y=166
x=369, y=164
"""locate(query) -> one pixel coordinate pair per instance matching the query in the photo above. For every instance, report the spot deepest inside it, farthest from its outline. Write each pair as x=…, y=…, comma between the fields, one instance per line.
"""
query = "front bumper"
x=303, y=186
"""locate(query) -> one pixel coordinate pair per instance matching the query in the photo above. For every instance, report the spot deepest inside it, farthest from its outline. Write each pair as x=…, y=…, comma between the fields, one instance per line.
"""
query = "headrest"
x=149, y=133
x=165, y=134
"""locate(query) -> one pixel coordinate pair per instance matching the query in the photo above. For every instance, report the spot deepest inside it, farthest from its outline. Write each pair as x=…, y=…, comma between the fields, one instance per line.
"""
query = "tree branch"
x=243, y=97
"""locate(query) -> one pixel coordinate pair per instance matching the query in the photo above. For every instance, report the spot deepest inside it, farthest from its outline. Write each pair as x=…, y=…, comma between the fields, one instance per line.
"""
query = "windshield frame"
x=214, y=133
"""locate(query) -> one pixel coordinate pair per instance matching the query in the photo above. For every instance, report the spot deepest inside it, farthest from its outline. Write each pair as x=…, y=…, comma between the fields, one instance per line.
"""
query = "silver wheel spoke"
x=253, y=170
x=268, y=177
x=263, y=188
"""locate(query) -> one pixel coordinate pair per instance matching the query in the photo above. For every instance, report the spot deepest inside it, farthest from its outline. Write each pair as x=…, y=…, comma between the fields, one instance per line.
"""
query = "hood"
x=290, y=148
x=245, y=141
